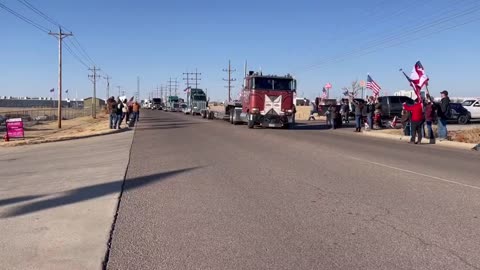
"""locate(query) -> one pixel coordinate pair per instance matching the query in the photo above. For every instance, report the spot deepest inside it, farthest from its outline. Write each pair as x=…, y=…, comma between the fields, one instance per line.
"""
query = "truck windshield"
x=199, y=98
x=274, y=83
x=157, y=100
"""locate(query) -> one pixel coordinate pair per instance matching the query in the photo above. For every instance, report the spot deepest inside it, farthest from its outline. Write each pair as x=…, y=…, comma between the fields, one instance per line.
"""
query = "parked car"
x=393, y=105
x=460, y=115
x=473, y=106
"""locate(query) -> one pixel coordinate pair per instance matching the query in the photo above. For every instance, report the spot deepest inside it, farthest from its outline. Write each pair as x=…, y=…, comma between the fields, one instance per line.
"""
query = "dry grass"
x=466, y=136
x=71, y=129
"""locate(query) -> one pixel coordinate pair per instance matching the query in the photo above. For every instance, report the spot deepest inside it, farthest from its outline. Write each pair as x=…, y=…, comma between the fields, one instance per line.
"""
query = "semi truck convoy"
x=265, y=100
x=196, y=101
x=172, y=104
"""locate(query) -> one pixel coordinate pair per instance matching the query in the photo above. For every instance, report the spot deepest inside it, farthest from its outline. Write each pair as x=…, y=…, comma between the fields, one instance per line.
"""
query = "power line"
x=75, y=55
x=396, y=37
x=39, y=12
x=25, y=19
x=75, y=43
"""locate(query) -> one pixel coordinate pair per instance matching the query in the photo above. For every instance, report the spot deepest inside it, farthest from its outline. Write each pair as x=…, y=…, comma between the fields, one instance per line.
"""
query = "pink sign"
x=15, y=128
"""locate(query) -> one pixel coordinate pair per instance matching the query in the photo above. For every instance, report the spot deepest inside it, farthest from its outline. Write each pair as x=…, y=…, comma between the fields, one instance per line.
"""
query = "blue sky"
x=157, y=40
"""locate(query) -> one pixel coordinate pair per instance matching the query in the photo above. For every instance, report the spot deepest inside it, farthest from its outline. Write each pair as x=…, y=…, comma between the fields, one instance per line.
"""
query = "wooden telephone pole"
x=60, y=36
x=229, y=80
x=94, y=77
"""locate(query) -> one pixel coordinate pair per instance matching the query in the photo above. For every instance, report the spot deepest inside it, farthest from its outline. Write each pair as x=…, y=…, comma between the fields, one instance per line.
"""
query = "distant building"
x=87, y=102
x=409, y=93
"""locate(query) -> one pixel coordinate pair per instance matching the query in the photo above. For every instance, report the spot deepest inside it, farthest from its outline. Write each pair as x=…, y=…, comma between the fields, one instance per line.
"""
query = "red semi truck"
x=265, y=100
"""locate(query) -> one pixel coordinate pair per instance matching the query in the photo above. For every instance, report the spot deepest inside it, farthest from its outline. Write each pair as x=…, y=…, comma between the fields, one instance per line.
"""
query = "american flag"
x=371, y=84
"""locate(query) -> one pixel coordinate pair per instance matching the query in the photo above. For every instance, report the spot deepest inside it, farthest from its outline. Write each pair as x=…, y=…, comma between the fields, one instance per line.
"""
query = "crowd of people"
x=426, y=113
x=417, y=119
x=120, y=110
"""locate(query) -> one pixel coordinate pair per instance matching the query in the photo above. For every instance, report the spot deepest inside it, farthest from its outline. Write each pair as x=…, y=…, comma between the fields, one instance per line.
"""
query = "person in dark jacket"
x=377, y=123
x=430, y=118
x=119, y=114
x=111, y=109
x=370, y=111
x=444, y=114
x=359, y=106
x=332, y=110
x=417, y=120
x=405, y=120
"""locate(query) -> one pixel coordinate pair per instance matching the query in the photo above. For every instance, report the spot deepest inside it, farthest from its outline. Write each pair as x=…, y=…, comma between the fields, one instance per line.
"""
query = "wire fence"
x=45, y=114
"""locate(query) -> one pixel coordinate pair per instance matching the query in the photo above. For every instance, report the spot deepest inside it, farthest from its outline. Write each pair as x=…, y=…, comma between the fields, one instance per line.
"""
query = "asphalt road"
x=207, y=195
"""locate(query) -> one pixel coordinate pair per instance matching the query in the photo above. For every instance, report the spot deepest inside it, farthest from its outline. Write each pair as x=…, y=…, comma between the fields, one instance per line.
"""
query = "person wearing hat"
x=444, y=113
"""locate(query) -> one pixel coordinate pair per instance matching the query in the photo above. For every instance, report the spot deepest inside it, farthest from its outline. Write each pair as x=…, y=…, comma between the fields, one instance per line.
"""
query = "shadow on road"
x=85, y=193
x=167, y=126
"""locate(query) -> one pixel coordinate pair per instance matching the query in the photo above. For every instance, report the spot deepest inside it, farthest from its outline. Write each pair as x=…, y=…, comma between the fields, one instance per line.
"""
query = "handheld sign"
x=15, y=128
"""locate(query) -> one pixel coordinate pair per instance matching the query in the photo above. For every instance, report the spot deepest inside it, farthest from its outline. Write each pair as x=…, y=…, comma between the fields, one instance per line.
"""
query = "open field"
x=71, y=129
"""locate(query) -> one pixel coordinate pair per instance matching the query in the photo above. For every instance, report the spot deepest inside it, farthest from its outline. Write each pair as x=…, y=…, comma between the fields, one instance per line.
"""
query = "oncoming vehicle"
x=172, y=104
x=156, y=104
x=267, y=100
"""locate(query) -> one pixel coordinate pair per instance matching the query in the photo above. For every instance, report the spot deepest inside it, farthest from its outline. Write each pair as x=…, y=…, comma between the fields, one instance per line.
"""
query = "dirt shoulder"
x=71, y=129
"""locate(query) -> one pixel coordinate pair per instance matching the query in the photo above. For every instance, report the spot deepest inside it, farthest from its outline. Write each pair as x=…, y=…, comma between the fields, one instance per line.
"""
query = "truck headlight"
x=195, y=108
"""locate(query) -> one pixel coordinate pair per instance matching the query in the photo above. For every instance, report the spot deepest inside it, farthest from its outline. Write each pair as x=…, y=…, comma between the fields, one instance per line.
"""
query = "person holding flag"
x=416, y=120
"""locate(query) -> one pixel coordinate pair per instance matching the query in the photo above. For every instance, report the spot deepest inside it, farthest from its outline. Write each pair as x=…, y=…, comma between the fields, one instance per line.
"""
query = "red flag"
x=417, y=78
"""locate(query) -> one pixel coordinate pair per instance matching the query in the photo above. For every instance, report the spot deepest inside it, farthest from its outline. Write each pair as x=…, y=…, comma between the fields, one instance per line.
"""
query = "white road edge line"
x=417, y=173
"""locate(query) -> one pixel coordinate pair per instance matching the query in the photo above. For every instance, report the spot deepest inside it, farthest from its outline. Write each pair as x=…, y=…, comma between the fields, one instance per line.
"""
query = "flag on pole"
x=417, y=78
x=187, y=90
x=52, y=90
x=324, y=93
x=328, y=86
x=371, y=84
x=66, y=91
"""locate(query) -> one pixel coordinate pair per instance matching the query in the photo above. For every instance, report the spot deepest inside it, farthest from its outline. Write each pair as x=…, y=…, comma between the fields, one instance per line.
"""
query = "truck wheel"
x=211, y=115
x=204, y=114
x=463, y=119
x=250, y=123
x=231, y=116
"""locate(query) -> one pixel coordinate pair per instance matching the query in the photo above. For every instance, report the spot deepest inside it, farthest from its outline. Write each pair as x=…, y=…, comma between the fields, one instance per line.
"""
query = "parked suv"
x=460, y=115
x=393, y=105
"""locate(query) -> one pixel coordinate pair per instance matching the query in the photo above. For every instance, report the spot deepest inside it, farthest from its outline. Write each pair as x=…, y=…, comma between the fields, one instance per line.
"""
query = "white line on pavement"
x=417, y=173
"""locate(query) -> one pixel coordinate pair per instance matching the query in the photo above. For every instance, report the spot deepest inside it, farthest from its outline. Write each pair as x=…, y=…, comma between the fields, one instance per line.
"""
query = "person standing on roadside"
x=377, y=123
x=135, y=111
x=370, y=110
x=430, y=118
x=118, y=113
x=344, y=111
x=125, y=112
x=417, y=120
x=333, y=115
x=111, y=109
x=444, y=113
x=359, y=106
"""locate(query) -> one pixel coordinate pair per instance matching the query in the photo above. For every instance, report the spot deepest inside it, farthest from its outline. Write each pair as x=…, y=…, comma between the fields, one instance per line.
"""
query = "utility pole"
x=60, y=36
x=137, y=95
x=108, y=85
x=172, y=85
x=187, y=78
x=229, y=80
x=94, y=80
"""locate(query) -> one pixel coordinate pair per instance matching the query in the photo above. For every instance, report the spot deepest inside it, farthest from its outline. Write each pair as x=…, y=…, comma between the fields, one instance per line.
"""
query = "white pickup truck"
x=473, y=106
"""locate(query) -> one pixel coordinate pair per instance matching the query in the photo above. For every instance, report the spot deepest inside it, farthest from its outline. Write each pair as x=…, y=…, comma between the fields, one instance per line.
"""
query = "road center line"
x=416, y=173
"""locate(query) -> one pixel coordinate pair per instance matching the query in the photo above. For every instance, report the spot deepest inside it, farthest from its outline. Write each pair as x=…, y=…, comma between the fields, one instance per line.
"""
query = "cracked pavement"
x=216, y=196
